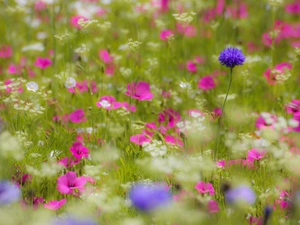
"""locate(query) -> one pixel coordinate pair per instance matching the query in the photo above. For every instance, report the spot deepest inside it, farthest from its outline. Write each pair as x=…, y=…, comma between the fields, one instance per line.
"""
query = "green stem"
x=222, y=114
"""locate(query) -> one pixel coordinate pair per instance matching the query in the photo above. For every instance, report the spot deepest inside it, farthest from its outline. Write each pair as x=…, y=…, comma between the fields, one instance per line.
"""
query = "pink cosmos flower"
x=170, y=117
x=173, y=140
x=55, y=205
x=105, y=56
x=78, y=116
x=191, y=66
x=140, y=91
x=165, y=35
x=204, y=188
x=297, y=118
x=68, y=162
x=221, y=164
x=213, y=206
x=109, y=70
x=42, y=63
x=281, y=68
x=5, y=51
x=106, y=102
x=293, y=8
x=262, y=123
x=254, y=154
x=206, y=83
x=79, y=151
x=75, y=19
x=293, y=107
x=139, y=139
x=69, y=182
x=14, y=69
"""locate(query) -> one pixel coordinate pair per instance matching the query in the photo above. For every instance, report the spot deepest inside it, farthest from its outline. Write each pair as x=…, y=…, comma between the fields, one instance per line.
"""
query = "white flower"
x=105, y=104
x=70, y=82
x=32, y=86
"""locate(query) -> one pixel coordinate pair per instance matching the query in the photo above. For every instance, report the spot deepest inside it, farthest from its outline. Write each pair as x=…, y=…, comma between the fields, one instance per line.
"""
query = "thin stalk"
x=222, y=114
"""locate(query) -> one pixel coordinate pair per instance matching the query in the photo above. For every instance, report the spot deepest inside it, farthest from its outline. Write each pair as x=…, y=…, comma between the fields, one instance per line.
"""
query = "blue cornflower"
x=9, y=193
x=232, y=57
x=147, y=197
x=70, y=220
x=239, y=194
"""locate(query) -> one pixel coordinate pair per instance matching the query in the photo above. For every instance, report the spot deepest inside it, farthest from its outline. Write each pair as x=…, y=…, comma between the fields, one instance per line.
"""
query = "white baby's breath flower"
x=70, y=82
x=32, y=86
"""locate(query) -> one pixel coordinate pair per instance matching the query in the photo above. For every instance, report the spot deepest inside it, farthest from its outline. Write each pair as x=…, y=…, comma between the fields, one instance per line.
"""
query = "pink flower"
x=139, y=139
x=106, y=102
x=75, y=19
x=281, y=68
x=293, y=8
x=165, y=35
x=79, y=151
x=221, y=164
x=204, y=188
x=125, y=105
x=55, y=205
x=188, y=31
x=14, y=69
x=173, y=140
x=191, y=66
x=169, y=116
x=69, y=182
x=213, y=206
x=68, y=162
x=293, y=107
x=109, y=70
x=5, y=51
x=254, y=154
x=262, y=123
x=140, y=91
x=42, y=63
x=297, y=118
x=105, y=56
x=164, y=5
x=40, y=5
x=78, y=116
x=206, y=83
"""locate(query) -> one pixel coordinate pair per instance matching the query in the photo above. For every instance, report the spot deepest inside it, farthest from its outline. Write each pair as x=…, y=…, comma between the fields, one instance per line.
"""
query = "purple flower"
x=241, y=193
x=147, y=197
x=8, y=193
x=74, y=221
x=231, y=57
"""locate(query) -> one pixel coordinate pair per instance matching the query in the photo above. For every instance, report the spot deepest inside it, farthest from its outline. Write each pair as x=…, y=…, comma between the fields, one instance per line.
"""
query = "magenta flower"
x=191, y=66
x=173, y=140
x=75, y=19
x=125, y=105
x=254, y=154
x=293, y=8
x=170, y=116
x=204, y=188
x=78, y=116
x=69, y=182
x=55, y=205
x=293, y=107
x=42, y=63
x=140, y=91
x=262, y=122
x=68, y=162
x=105, y=56
x=106, y=102
x=213, y=206
x=281, y=68
x=5, y=52
x=79, y=151
x=139, y=139
x=206, y=83
x=166, y=34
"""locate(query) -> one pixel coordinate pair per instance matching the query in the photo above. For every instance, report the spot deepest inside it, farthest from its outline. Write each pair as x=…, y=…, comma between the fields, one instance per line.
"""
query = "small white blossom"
x=32, y=86
x=70, y=82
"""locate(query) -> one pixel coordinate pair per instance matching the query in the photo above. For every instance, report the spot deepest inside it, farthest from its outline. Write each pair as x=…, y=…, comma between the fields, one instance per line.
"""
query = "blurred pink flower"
x=75, y=19
x=42, y=63
x=139, y=139
x=140, y=91
x=78, y=116
x=293, y=8
x=55, y=205
x=79, y=151
x=255, y=154
x=68, y=162
x=69, y=182
x=204, y=188
x=293, y=107
x=191, y=66
x=105, y=56
x=213, y=206
x=5, y=51
x=206, y=83
x=280, y=68
x=173, y=140
x=165, y=35
x=170, y=117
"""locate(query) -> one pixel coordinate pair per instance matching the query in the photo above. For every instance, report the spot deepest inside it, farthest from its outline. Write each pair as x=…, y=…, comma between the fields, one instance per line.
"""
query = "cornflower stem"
x=222, y=113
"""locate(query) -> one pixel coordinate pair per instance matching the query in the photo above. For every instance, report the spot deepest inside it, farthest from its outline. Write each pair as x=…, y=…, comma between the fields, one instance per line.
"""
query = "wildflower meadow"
x=149, y=112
